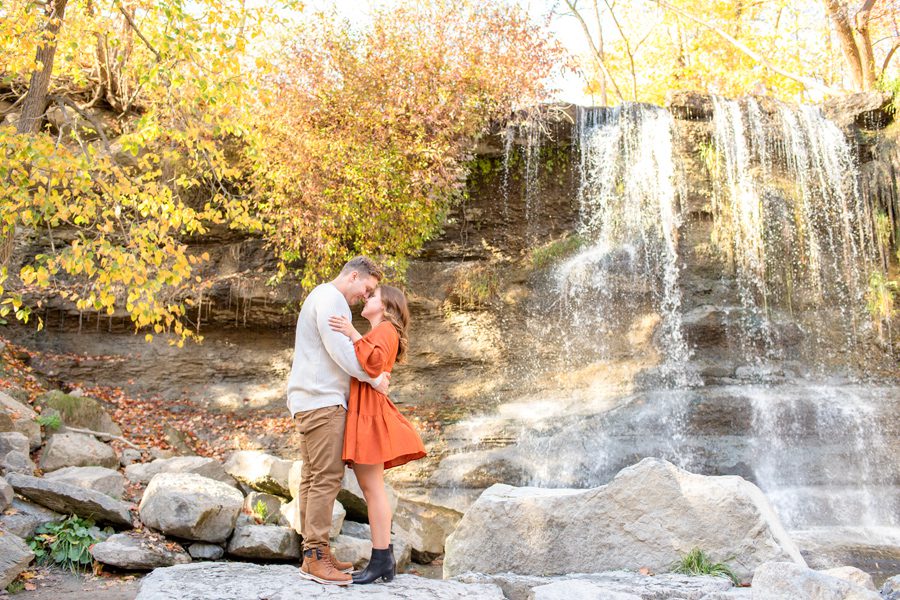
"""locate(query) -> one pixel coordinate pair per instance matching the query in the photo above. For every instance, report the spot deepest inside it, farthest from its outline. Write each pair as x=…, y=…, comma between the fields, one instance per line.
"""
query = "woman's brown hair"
x=396, y=312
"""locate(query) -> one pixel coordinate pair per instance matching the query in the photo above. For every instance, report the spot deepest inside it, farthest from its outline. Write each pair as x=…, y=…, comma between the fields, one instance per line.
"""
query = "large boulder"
x=612, y=585
x=13, y=440
x=426, y=527
x=80, y=411
x=16, y=462
x=191, y=506
x=200, y=465
x=67, y=498
x=649, y=515
x=353, y=500
x=6, y=494
x=268, y=542
x=231, y=580
x=77, y=450
x=15, y=555
x=138, y=552
x=781, y=580
x=15, y=416
x=100, y=479
x=24, y=517
x=260, y=471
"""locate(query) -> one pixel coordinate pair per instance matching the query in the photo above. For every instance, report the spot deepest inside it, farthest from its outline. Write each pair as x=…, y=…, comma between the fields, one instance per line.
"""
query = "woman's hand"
x=343, y=325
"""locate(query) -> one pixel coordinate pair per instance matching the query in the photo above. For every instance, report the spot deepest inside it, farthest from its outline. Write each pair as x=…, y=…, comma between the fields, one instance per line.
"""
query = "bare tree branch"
x=131, y=24
x=596, y=53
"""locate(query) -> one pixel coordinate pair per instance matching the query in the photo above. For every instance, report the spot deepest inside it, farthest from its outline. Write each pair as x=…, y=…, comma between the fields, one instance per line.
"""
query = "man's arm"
x=340, y=348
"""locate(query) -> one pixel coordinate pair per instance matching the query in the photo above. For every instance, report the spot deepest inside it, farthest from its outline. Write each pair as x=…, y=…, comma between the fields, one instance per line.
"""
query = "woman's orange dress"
x=376, y=432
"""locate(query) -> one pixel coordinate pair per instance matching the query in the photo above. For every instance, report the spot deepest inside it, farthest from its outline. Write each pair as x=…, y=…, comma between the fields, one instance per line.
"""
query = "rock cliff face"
x=491, y=324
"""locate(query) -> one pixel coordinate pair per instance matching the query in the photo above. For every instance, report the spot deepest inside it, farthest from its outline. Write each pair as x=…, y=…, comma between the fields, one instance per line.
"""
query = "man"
x=319, y=384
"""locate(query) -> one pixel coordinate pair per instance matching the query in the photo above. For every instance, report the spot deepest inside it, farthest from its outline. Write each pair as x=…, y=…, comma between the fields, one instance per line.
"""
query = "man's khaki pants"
x=321, y=445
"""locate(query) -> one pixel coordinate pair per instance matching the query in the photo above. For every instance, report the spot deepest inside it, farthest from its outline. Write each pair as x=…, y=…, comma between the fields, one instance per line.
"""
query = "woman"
x=377, y=436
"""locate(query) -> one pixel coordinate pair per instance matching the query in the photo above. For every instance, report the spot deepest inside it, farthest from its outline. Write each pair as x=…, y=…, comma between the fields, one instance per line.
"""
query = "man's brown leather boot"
x=317, y=566
x=343, y=567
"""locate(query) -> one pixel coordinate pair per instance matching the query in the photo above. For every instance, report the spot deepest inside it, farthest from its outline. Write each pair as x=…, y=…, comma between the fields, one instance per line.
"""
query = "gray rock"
x=100, y=479
x=891, y=588
x=67, y=498
x=781, y=580
x=24, y=517
x=272, y=506
x=15, y=555
x=270, y=542
x=15, y=416
x=77, y=450
x=204, y=551
x=191, y=506
x=688, y=105
x=292, y=517
x=262, y=472
x=136, y=551
x=207, y=467
x=612, y=584
x=129, y=456
x=649, y=516
x=357, y=549
x=13, y=440
x=16, y=462
x=6, y=494
x=80, y=411
x=240, y=581
x=353, y=500
x=426, y=527
x=853, y=575
x=866, y=110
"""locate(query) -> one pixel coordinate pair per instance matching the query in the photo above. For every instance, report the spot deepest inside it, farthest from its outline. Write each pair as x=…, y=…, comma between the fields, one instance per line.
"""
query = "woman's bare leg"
x=371, y=480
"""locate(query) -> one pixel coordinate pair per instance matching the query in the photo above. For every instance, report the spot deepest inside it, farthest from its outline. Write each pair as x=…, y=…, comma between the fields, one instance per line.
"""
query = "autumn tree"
x=368, y=131
x=122, y=147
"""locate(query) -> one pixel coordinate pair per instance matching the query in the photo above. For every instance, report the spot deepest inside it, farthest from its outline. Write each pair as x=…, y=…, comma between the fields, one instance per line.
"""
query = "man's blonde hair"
x=364, y=266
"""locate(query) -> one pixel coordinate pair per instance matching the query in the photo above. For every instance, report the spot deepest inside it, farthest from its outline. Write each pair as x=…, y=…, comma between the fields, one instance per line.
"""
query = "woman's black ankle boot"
x=381, y=564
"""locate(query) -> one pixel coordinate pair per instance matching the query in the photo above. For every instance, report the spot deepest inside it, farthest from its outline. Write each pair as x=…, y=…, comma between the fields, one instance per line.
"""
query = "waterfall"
x=629, y=219
x=790, y=220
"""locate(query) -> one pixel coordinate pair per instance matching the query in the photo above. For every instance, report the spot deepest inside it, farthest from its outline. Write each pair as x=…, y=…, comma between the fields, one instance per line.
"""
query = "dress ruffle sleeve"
x=377, y=349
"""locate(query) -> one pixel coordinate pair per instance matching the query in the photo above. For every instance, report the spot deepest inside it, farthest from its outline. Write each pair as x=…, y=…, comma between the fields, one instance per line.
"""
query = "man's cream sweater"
x=324, y=359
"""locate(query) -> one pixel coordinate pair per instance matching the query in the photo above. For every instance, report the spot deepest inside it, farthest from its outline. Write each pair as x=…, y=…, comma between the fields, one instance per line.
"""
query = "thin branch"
x=890, y=55
x=103, y=434
x=808, y=82
x=596, y=54
x=612, y=13
x=131, y=24
x=63, y=102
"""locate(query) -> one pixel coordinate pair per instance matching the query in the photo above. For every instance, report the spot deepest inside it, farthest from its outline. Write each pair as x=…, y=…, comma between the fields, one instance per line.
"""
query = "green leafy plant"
x=51, y=421
x=15, y=586
x=709, y=156
x=696, y=562
x=260, y=511
x=67, y=543
x=880, y=300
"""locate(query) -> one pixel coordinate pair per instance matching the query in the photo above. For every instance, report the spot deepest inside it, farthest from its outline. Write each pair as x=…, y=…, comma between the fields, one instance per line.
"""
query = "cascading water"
x=769, y=262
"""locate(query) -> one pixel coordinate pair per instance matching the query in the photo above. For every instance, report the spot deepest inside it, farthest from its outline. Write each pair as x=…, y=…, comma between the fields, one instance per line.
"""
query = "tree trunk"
x=864, y=43
x=838, y=13
x=35, y=103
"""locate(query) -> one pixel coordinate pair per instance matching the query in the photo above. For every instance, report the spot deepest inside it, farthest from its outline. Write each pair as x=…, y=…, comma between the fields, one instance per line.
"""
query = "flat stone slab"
x=67, y=498
x=247, y=581
x=15, y=555
x=100, y=479
x=208, y=467
x=612, y=585
x=23, y=517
